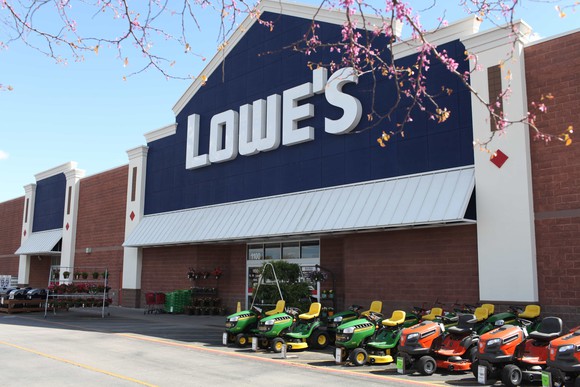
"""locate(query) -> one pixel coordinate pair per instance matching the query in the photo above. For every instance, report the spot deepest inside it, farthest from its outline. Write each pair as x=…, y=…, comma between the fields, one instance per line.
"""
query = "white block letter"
x=220, y=150
x=192, y=157
x=269, y=133
x=248, y=140
x=350, y=105
x=293, y=113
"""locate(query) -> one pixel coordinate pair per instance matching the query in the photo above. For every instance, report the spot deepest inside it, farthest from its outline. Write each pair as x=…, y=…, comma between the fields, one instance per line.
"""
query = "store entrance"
x=305, y=253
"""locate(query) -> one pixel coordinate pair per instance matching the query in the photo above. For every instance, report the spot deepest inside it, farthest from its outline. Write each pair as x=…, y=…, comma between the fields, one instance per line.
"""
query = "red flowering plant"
x=217, y=272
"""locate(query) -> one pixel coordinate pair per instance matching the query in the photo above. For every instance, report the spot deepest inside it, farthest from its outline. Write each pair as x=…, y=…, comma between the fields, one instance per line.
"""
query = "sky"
x=86, y=112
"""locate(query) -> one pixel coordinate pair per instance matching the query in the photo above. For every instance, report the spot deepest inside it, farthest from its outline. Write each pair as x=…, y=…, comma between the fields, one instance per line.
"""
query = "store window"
x=285, y=250
x=255, y=252
x=291, y=250
x=310, y=249
x=272, y=251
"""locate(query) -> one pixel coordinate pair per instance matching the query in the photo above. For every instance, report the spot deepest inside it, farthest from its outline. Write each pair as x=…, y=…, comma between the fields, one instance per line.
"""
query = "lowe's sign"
x=263, y=125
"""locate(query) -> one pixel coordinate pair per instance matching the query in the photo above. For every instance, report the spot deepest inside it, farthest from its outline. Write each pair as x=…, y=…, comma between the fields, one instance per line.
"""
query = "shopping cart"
x=155, y=302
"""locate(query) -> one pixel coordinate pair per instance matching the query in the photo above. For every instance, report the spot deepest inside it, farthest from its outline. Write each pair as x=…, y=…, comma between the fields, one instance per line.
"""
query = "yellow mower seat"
x=490, y=308
x=481, y=313
x=433, y=314
x=314, y=311
x=531, y=311
x=280, y=305
x=397, y=318
x=376, y=307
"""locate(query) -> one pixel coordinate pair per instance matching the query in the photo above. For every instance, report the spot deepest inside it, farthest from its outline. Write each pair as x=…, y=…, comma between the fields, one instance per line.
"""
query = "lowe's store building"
x=271, y=159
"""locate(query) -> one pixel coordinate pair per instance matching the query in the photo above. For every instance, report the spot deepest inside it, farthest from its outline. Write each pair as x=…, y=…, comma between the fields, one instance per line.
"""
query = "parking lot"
x=129, y=347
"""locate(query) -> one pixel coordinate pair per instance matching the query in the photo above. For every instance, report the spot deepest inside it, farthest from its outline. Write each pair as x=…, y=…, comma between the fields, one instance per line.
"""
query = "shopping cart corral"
x=155, y=302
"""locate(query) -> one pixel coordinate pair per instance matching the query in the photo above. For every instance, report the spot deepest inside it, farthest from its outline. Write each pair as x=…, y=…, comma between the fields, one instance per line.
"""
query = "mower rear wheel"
x=241, y=340
x=426, y=365
x=511, y=375
x=319, y=339
x=263, y=343
x=277, y=344
x=577, y=381
x=471, y=354
x=359, y=357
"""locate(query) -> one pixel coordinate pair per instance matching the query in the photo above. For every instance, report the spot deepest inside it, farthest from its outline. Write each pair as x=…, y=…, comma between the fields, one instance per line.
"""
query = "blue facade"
x=329, y=160
x=49, y=203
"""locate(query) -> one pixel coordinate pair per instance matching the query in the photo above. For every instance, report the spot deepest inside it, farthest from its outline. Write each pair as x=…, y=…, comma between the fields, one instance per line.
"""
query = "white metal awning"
x=42, y=242
x=429, y=198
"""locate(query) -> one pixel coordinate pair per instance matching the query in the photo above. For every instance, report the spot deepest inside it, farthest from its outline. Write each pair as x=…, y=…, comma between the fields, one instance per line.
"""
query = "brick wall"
x=10, y=229
x=165, y=270
x=553, y=67
x=101, y=224
x=411, y=267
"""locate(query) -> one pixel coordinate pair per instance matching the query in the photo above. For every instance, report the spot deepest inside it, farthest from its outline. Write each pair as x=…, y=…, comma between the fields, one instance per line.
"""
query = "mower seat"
x=397, y=318
x=549, y=329
x=490, y=308
x=481, y=313
x=312, y=313
x=465, y=324
x=433, y=314
x=376, y=307
x=531, y=312
x=280, y=305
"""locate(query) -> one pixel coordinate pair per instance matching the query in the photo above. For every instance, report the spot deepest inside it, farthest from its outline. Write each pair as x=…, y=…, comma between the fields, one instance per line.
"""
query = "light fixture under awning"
x=438, y=197
x=42, y=242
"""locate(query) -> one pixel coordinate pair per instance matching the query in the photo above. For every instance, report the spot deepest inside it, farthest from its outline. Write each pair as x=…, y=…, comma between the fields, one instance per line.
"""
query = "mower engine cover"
x=272, y=326
x=351, y=334
x=241, y=321
x=419, y=339
x=499, y=345
x=564, y=353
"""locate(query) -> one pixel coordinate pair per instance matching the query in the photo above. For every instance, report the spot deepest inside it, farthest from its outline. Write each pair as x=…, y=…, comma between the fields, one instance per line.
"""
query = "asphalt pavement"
x=129, y=346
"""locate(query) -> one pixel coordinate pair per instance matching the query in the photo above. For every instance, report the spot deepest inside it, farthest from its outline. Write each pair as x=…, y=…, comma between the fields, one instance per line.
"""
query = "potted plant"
x=85, y=275
x=95, y=275
x=66, y=274
x=77, y=275
x=55, y=273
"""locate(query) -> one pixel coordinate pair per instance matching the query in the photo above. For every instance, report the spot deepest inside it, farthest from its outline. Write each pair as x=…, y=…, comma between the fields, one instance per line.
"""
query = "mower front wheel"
x=241, y=340
x=426, y=365
x=277, y=344
x=359, y=357
x=511, y=375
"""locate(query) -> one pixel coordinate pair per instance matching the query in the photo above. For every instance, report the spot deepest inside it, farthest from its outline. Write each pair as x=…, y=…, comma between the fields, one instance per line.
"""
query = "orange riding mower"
x=564, y=360
x=429, y=345
x=509, y=353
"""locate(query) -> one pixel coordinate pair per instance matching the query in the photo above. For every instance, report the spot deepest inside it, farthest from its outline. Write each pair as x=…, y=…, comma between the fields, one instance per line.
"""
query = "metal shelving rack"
x=56, y=278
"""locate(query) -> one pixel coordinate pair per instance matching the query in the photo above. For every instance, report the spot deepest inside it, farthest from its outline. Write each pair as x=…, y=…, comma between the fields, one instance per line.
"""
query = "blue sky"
x=86, y=112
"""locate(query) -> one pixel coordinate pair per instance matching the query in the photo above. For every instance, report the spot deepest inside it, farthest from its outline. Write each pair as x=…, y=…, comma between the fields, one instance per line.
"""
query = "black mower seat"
x=464, y=325
x=549, y=329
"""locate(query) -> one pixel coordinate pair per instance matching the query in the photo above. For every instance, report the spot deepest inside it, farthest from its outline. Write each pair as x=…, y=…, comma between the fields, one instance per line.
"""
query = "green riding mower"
x=353, y=335
x=308, y=331
x=382, y=348
x=354, y=312
x=292, y=328
x=241, y=325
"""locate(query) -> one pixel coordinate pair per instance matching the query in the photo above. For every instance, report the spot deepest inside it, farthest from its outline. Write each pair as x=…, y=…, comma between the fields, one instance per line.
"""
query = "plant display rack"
x=77, y=287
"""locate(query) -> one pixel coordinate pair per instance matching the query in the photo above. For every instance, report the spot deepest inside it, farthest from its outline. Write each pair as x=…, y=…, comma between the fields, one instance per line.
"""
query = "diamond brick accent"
x=499, y=158
x=132, y=216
